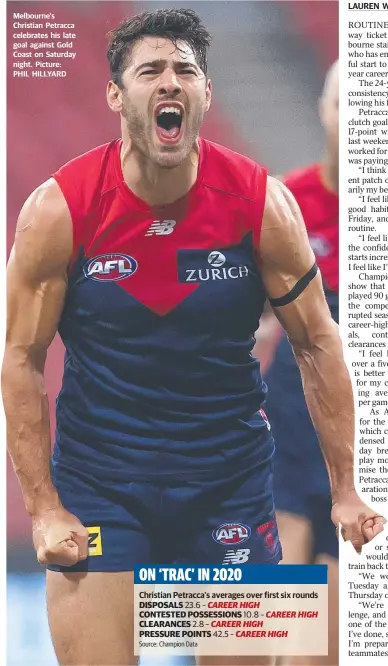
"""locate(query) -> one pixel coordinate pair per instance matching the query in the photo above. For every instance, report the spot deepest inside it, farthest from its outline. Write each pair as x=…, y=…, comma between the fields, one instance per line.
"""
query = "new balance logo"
x=239, y=556
x=163, y=228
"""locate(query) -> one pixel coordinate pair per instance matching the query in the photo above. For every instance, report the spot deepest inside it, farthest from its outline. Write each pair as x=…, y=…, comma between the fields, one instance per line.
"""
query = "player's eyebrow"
x=178, y=64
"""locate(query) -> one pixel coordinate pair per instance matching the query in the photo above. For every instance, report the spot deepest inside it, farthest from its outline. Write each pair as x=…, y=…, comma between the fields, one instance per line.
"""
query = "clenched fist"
x=359, y=523
x=59, y=537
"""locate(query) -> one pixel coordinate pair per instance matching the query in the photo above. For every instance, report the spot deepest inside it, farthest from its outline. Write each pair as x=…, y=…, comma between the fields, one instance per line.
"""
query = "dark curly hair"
x=173, y=24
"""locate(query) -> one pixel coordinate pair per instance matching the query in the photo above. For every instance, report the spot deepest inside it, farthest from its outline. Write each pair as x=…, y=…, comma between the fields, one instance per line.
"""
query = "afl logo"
x=231, y=533
x=110, y=267
x=216, y=259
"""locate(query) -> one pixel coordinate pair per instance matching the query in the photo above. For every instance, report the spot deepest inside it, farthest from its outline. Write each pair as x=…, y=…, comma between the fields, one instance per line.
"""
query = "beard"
x=142, y=133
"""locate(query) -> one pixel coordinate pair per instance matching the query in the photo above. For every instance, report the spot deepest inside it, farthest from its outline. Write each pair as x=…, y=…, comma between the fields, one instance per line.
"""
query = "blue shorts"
x=301, y=482
x=227, y=521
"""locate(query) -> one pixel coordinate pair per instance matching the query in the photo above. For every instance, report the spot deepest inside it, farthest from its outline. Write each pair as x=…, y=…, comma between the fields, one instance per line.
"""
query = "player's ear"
x=209, y=89
x=114, y=97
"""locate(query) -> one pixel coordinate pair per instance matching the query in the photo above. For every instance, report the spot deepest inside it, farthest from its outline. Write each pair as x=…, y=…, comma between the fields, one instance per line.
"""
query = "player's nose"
x=169, y=83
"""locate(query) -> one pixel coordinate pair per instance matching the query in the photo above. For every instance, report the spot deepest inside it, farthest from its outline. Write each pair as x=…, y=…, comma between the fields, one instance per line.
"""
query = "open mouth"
x=169, y=123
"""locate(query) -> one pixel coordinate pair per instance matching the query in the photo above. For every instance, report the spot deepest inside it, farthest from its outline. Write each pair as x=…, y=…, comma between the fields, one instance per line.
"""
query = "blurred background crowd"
x=267, y=63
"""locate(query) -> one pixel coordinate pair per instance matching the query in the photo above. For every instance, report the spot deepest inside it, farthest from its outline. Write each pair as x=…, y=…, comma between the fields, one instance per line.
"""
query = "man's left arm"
x=294, y=288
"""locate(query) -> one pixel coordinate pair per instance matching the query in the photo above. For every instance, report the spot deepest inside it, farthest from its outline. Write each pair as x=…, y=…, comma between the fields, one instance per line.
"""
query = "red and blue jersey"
x=159, y=322
x=320, y=210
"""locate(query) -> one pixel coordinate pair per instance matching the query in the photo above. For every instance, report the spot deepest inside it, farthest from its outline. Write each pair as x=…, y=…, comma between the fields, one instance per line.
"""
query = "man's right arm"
x=36, y=290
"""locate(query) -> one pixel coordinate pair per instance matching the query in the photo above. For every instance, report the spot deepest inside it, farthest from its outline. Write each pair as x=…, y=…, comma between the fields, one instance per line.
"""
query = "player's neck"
x=329, y=173
x=154, y=185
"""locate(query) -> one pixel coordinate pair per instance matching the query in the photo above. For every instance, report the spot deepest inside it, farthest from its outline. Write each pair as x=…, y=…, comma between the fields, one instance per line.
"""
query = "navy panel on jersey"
x=159, y=377
x=183, y=386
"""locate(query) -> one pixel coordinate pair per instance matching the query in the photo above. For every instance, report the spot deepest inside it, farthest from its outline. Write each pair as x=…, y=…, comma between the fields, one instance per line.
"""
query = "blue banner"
x=249, y=574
